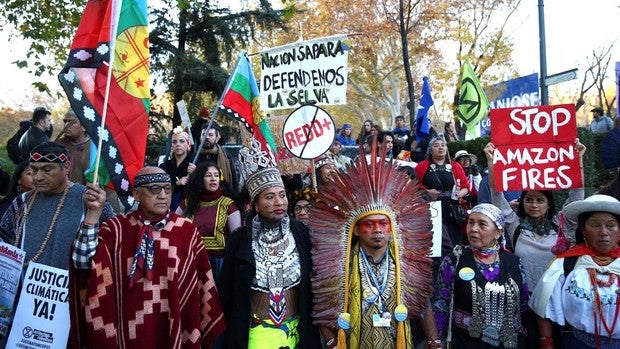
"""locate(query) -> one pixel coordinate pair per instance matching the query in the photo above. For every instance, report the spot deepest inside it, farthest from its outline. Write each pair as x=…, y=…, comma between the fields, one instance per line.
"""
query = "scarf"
x=482, y=253
x=208, y=196
x=540, y=227
x=144, y=258
x=582, y=250
x=222, y=162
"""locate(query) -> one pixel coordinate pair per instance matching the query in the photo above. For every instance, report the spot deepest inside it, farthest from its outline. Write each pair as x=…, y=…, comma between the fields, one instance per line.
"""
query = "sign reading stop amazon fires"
x=308, y=132
x=534, y=148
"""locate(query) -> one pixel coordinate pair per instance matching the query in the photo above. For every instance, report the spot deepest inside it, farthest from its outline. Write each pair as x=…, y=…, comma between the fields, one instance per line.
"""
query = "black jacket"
x=33, y=137
x=238, y=271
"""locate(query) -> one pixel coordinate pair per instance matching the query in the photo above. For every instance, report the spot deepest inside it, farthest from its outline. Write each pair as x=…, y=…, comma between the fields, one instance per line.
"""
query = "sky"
x=574, y=28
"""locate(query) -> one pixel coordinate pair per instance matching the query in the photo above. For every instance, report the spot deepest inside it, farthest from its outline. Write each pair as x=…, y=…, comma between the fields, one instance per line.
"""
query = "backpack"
x=12, y=145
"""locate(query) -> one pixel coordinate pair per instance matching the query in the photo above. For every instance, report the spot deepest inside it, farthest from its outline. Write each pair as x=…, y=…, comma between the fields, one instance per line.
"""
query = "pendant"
x=490, y=335
x=277, y=305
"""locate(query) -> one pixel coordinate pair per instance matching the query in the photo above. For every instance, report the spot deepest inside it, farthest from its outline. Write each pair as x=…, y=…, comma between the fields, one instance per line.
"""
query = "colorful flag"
x=473, y=103
x=112, y=33
x=422, y=124
x=241, y=100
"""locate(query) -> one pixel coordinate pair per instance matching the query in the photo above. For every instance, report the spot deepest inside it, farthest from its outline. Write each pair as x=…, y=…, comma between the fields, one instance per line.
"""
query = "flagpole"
x=217, y=106
x=106, y=97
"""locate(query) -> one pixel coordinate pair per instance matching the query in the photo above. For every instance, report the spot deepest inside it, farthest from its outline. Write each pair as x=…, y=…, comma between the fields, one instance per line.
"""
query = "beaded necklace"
x=52, y=224
x=596, y=283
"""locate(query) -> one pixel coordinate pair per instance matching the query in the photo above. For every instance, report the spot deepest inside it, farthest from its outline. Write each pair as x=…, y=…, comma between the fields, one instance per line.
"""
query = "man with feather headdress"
x=371, y=240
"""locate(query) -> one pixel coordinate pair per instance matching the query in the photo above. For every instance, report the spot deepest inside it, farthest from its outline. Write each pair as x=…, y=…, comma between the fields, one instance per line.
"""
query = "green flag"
x=473, y=103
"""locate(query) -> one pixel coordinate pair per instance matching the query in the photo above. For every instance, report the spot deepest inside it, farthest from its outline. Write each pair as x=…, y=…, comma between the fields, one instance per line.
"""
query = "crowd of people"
x=228, y=252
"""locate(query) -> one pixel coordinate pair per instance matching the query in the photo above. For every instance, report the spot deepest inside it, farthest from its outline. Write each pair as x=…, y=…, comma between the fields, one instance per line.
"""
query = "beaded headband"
x=494, y=213
x=151, y=178
x=59, y=157
x=322, y=161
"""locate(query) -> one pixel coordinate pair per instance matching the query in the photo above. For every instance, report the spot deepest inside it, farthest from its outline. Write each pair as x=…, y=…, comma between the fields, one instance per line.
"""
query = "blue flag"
x=422, y=124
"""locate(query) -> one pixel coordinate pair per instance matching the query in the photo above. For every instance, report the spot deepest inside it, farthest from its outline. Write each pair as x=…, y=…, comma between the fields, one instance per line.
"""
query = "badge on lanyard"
x=382, y=320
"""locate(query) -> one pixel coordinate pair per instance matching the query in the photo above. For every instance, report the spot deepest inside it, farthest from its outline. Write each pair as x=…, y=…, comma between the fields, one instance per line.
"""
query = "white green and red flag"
x=112, y=33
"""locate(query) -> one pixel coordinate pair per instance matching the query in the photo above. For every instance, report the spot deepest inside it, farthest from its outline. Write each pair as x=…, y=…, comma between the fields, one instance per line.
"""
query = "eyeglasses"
x=539, y=201
x=156, y=189
x=299, y=208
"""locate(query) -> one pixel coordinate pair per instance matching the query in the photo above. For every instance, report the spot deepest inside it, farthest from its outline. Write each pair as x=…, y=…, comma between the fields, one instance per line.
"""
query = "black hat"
x=598, y=109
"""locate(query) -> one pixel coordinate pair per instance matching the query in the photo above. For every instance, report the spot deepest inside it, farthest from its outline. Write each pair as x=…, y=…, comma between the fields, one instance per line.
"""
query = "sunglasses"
x=156, y=189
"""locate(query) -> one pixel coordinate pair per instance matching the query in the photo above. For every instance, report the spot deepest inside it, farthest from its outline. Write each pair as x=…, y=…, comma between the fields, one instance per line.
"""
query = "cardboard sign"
x=42, y=316
x=435, y=207
x=11, y=264
x=309, y=72
x=308, y=132
x=535, y=148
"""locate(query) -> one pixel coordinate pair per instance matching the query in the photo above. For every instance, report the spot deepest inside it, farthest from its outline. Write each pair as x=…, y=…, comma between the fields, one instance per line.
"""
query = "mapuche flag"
x=241, y=100
x=473, y=103
x=112, y=33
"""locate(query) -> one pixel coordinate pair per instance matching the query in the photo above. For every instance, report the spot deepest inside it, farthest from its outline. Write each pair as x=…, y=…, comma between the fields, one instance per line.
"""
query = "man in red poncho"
x=142, y=279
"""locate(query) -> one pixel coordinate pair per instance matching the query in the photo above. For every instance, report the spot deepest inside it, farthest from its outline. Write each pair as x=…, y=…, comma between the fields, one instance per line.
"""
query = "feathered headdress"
x=371, y=185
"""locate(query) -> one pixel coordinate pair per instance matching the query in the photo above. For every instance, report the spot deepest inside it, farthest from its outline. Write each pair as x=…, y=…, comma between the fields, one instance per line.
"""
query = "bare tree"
x=595, y=76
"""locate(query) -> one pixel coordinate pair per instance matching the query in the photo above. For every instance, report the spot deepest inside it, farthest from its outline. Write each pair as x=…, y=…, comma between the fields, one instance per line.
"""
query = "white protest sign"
x=437, y=233
x=11, y=264
x=308, y=72
x=185, y=122
x=308, y=132
x=42, y=316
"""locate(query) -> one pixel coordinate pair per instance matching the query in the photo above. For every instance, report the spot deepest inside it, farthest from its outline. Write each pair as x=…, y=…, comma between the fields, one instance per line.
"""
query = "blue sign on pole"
x=520, y=92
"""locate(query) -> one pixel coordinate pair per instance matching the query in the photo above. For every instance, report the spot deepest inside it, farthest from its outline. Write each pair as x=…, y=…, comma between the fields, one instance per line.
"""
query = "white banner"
x=308, y=72
x=11, y=264
x=42, y=316
x=435, y=207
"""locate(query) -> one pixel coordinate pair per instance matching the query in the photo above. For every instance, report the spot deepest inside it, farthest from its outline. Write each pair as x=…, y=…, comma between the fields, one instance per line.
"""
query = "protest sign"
x=287, y=163
x=11, y=264
x=308, y=72
x=42, y=316
x=435, y=207
x=535, y=148
x=308, y=132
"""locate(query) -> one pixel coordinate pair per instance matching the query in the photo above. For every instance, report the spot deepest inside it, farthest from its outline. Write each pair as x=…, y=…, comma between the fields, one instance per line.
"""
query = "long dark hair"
x=581, y=223
x=548, y=194
x=195, y=187
x=13, y=192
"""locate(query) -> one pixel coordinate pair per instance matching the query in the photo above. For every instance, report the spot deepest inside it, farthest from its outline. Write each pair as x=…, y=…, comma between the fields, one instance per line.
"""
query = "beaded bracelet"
x=434, y=344
x=545, y=341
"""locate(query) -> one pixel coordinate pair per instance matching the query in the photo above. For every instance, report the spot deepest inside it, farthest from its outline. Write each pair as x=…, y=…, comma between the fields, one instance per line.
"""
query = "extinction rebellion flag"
x=112, y=33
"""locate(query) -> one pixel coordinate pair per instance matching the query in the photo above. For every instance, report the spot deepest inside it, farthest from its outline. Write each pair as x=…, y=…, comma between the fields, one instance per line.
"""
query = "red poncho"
x=178, y=308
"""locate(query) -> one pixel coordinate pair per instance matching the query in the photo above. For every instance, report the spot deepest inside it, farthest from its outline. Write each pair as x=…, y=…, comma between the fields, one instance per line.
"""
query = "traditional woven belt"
x=590, y=339
x=461, y=319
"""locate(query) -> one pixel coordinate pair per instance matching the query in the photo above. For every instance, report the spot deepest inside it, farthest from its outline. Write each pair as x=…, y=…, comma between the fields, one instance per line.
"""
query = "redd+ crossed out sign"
x=308, y=132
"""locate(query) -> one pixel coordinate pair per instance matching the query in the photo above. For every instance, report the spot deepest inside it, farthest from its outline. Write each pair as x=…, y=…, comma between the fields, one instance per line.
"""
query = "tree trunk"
x=180, y=66
x=406, y=65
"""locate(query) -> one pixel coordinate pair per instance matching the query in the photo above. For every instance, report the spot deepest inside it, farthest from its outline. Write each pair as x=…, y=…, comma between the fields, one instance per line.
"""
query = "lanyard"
x=373, y=277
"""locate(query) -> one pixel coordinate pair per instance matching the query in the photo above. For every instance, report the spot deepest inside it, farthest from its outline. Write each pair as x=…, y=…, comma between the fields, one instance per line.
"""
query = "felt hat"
x=594, y=203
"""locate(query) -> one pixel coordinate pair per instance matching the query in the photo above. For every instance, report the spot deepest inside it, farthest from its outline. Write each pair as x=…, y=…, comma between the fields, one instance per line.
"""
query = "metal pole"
x=544, y=91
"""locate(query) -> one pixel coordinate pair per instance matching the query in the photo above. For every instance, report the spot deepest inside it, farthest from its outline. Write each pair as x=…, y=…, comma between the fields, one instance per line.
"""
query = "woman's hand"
x=580, y=147
x=190, y=168
x=488, y=151
x=433, y=193
x=182, y=181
